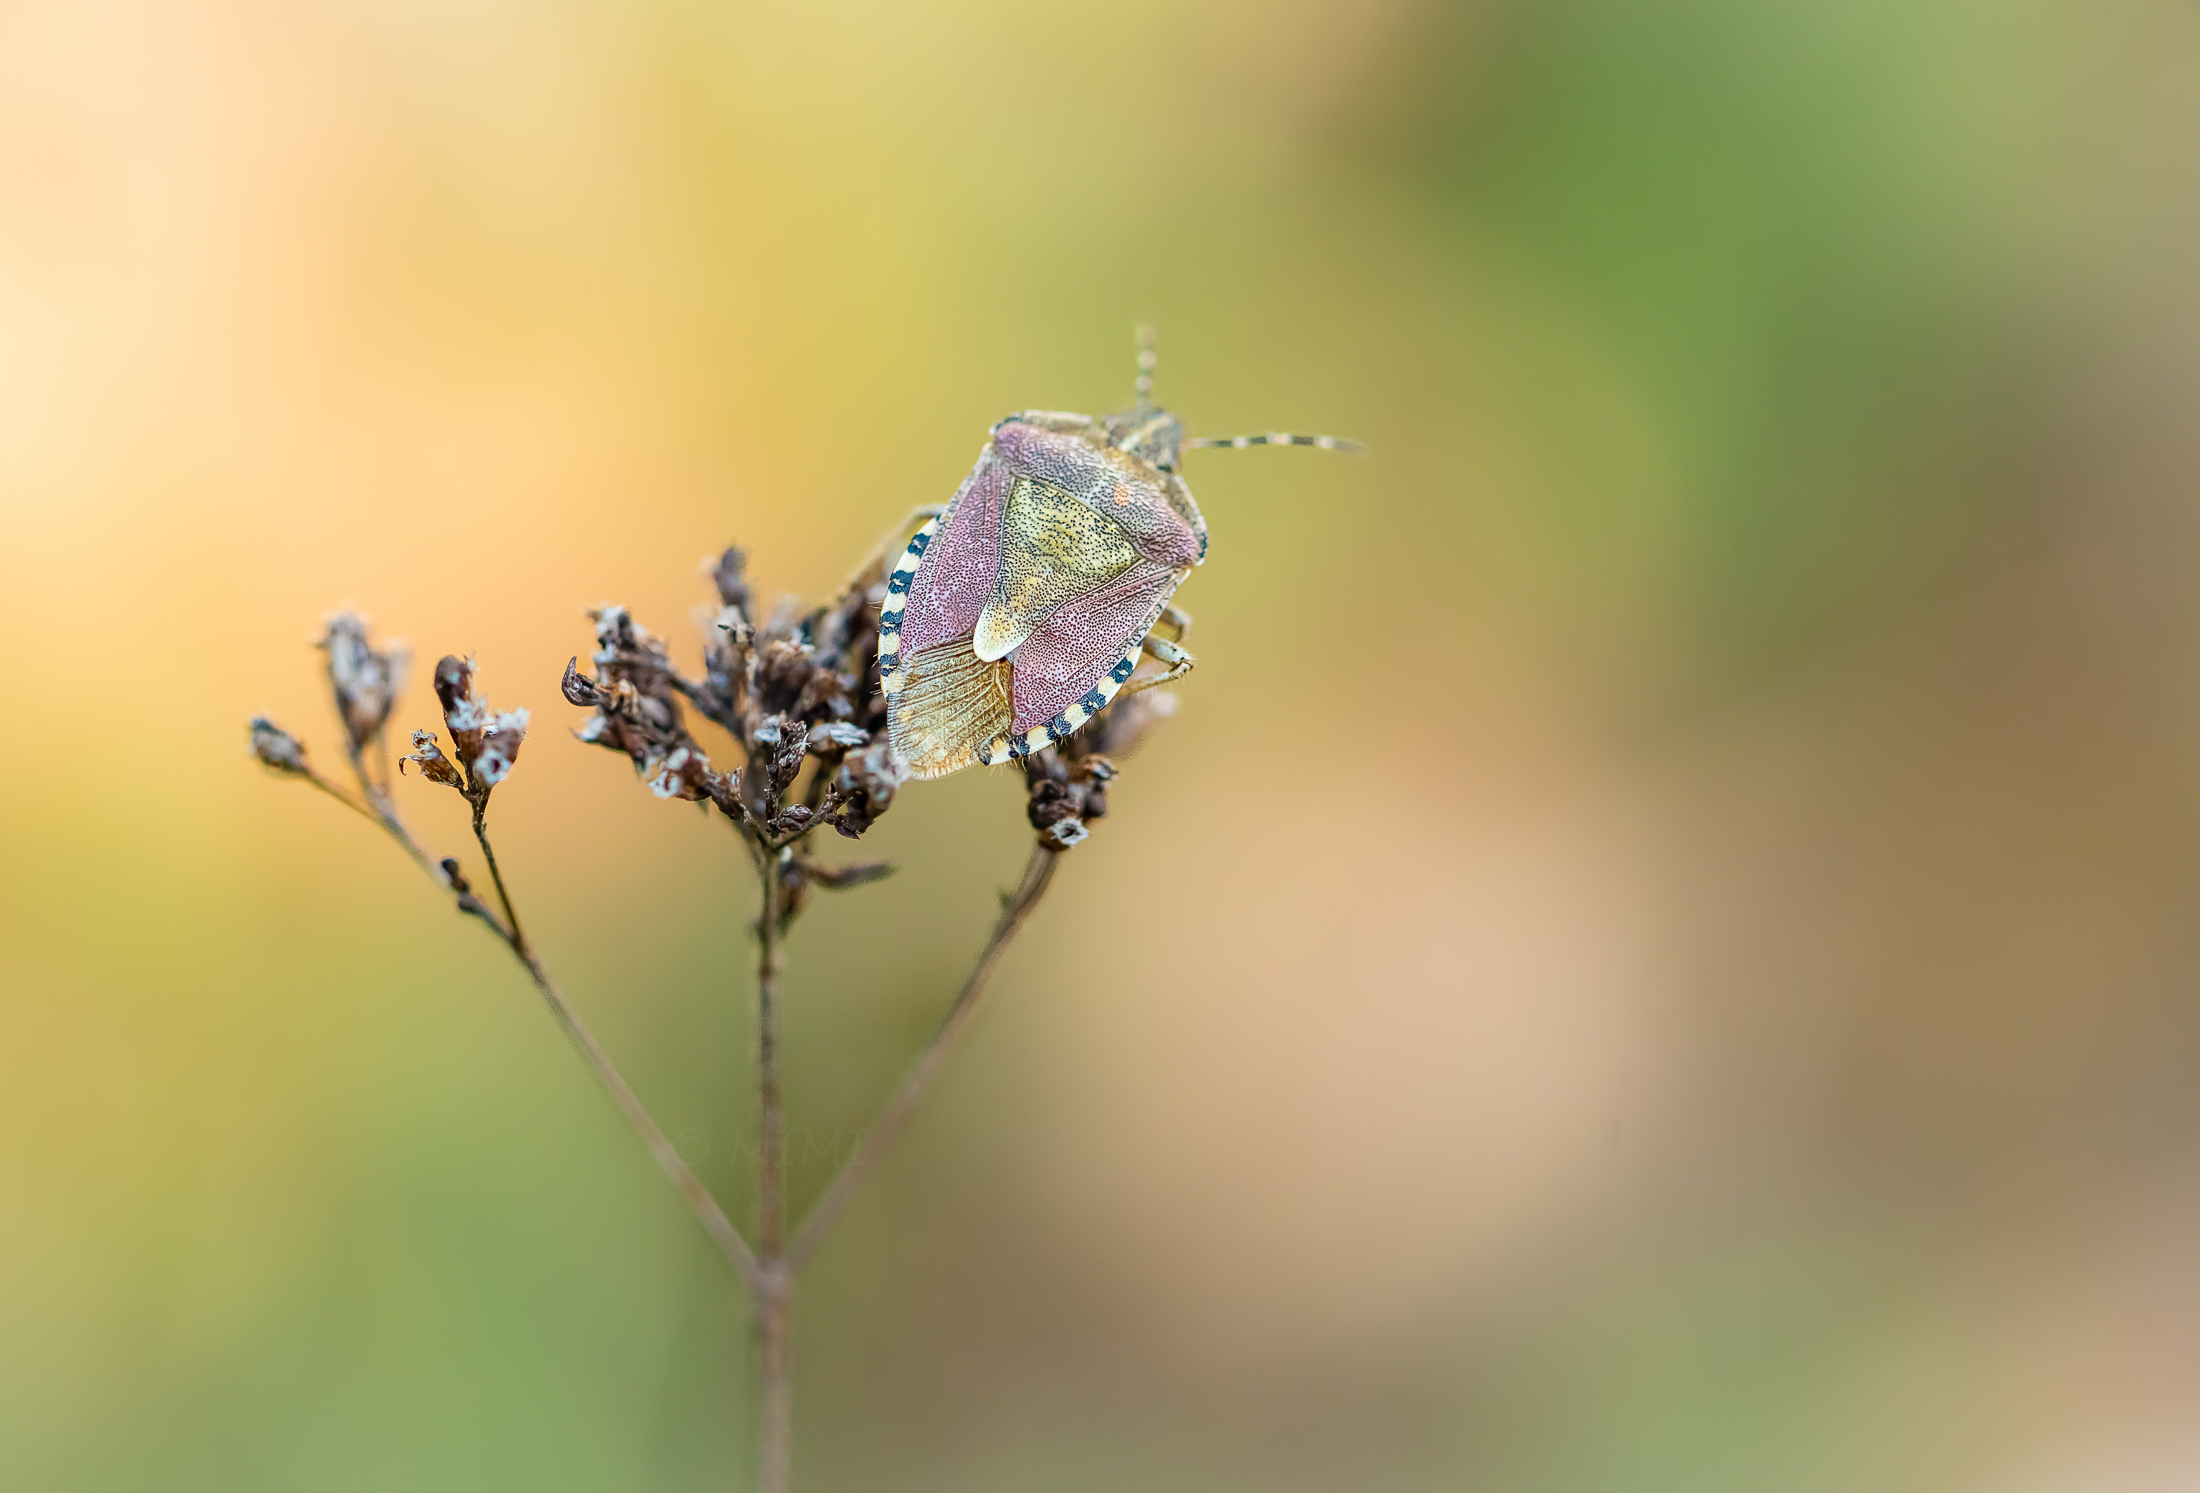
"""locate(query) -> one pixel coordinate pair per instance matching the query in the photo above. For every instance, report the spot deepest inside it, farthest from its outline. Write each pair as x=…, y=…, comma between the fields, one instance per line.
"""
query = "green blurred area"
x=1655, y=955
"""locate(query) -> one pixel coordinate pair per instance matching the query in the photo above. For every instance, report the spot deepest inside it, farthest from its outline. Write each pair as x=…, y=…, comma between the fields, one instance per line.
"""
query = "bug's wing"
x=951, y=704
x=956, y=566
x=943, y=702
x=1053, y=549
x=1080, y=655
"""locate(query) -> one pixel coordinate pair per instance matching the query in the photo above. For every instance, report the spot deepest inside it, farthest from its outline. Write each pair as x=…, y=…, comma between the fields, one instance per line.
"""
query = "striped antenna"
x=1147, y=357
x=1278, y=438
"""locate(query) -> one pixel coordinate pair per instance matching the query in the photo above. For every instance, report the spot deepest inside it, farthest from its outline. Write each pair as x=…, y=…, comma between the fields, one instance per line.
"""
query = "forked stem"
x=768, y=1270
x=707, y=1212
x=713, y=1218
x=1038, y=873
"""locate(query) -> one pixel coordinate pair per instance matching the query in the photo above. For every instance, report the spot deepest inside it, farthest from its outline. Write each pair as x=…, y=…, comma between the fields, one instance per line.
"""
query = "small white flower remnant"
x=500, y=744
x=684, y=774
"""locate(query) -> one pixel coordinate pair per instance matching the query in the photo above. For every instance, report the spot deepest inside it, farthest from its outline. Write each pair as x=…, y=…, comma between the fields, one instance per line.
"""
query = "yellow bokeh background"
x=1657, y=952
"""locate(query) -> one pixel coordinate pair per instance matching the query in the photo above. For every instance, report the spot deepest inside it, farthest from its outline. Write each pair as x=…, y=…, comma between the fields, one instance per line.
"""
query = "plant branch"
x=699, y=1200
x=377, y=806
x=512, y=933
x=1014, y=911
x=815, y=822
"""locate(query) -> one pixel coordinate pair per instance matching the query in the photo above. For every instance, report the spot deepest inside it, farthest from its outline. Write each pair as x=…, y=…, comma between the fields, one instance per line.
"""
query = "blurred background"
x=1659, y=952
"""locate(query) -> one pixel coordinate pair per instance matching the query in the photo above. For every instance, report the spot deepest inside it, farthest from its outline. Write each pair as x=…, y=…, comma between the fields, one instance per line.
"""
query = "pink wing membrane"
x=1107, y=481
x=954, y=580
x=1076, y=646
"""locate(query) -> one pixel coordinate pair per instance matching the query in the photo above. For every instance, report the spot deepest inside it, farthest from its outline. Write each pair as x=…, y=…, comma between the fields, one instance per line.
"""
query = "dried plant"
x=797, y=698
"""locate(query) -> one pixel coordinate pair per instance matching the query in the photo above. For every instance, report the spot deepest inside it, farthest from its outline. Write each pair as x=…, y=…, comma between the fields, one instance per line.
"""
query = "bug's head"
x=1155, y=436
x=1145, y=430
x=1152, y=435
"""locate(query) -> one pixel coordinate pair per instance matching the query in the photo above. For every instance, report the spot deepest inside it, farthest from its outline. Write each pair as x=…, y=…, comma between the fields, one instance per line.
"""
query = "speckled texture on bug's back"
x=956, y=577
x=1125, y=489
x=1061, y=664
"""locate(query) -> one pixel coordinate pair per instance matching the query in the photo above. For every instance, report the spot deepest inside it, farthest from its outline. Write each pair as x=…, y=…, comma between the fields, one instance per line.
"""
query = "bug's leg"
x=1176, y=617
x=874, y=565
x=1175, y=655
x=1147, y=357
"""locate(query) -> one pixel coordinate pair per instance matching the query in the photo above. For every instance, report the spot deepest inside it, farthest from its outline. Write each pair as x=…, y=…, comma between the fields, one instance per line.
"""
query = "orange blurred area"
x=1657, y=952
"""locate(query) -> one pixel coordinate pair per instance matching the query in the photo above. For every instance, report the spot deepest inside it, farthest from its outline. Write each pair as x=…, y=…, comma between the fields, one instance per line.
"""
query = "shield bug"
x=1023, y=607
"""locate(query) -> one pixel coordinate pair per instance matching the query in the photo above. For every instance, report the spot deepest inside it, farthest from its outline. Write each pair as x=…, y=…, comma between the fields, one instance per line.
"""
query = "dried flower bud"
x=867, y=782
x=1050, y=802
x=365, y=682
x=626, y=650
x=685, y=774
x=779, y=745
x=434, y=766
x=1065, y=795
x=784, y=670
x=728, y=575
x=485, y=743
x=577, y=687
x=500, y=745
x=836, y=737
x=1089, y=777
x=277, y=747
x=724, y=789
x=1118, y=730
x=466, y=713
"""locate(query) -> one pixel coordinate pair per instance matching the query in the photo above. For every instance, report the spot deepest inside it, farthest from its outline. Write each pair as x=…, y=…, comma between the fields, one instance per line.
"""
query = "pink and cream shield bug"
x=1022, y=608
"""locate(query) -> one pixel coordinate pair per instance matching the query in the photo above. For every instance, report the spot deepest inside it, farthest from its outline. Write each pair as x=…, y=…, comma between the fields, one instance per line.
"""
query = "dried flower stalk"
x=797, y=695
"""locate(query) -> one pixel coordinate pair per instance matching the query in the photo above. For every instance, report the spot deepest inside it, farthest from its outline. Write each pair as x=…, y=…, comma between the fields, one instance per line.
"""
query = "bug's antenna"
x=1278, y=438
x=1147, y=357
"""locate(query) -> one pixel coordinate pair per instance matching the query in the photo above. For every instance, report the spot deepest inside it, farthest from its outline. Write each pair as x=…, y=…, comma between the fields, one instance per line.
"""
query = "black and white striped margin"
x=890, y=675
x=1008, y=748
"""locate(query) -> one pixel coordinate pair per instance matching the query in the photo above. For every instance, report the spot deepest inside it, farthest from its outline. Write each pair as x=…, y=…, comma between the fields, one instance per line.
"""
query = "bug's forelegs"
x=892, y=540
x=901, y=530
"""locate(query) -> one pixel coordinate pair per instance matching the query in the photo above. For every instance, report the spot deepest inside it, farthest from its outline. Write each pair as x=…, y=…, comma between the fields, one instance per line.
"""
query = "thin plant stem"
x=774, y=1304
x=774, y=1330
x=341, y=796
x=716, y=1225
x=1038, y=873
x=705, y=1207
x=383, y=812
x=514, y=936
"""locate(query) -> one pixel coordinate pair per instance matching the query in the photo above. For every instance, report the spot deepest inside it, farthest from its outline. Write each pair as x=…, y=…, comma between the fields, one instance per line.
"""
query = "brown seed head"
x=465, y=712
x=685, y=773
x=795, y=687
x=365, y=681
x=486, y=743
x=277, y=747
